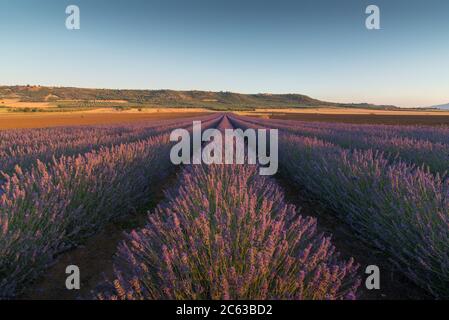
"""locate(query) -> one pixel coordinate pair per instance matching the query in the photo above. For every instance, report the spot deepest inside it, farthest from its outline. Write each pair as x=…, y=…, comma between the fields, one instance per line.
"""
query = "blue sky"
x=319, y=48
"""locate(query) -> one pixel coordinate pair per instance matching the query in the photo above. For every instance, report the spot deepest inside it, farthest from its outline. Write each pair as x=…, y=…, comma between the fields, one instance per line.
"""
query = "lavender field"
x=224, y=231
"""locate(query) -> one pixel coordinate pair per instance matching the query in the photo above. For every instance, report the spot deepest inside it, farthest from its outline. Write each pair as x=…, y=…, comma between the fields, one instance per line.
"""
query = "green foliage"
x=220, y=101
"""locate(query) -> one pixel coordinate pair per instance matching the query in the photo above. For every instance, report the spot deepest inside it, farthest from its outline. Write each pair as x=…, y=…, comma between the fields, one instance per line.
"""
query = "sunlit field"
x=61, y=119
x=216, y=159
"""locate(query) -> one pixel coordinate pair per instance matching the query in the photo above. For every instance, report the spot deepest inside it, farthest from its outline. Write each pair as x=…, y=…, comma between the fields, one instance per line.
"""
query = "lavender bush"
x=51, y=207
x=226, y=233
x=401, y=209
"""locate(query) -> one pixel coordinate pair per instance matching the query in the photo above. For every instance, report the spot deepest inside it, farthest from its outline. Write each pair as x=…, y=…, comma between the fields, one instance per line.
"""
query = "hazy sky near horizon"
x=315, y=47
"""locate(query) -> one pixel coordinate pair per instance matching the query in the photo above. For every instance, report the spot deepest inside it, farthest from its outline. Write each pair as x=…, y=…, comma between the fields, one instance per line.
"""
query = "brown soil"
x=41, y=120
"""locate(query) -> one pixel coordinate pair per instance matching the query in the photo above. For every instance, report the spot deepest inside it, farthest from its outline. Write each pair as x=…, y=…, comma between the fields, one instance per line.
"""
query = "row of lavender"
x=22, y=147
x=401, y=209
x=422, y=146
x=51, y=207
x=226, y=233
x=431, y=133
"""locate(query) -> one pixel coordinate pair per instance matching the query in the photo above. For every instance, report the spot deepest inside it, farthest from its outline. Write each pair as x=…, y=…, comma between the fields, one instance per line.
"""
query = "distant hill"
x=441, y=106
x=64, y=96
